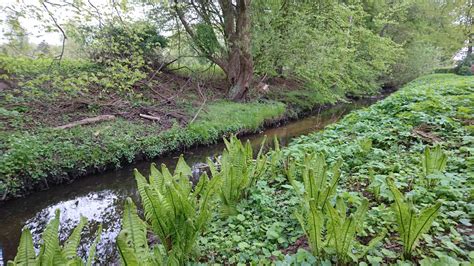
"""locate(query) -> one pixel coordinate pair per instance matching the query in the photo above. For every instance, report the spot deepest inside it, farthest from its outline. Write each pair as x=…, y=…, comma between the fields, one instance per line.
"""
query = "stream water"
x=100, y=197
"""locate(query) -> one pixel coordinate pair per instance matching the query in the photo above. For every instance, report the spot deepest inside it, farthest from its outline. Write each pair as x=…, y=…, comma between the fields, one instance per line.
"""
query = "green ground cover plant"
x=435, y=104
x=402, y=222
x=46, y=155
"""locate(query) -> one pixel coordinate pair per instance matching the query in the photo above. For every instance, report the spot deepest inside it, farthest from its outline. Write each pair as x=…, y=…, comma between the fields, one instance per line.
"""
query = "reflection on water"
x=99, y=207
x=100, y=197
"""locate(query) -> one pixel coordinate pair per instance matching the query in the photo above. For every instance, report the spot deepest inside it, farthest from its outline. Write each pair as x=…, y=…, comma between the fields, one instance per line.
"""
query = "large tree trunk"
x=236, y=58
x=239, y=75
x=239, y=69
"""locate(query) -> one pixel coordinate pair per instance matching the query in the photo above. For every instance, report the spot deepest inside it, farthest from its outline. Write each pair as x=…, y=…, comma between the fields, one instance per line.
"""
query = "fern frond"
x=422, y=223
x=69, y=250
x=50, y=247
x=127, y=256
x=136, y=229
x=156, y=178
x=26, y=252
x=410, y=224
x=93, y=247
x=434, y=160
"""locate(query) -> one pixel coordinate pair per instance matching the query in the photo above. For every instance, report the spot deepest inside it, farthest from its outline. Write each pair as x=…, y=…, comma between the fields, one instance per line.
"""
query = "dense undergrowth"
x=402, y=169
x=385, y=140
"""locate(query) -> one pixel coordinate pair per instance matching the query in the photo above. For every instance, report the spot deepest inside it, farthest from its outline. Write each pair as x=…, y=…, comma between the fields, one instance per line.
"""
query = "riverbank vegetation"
x=137, y=79
x=389, y=184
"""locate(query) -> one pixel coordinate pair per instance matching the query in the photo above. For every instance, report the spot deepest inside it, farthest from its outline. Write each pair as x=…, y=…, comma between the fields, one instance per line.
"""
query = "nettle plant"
x=329, y=229
x=51, y=252
x=238, y=170
x=176, y=212
x=433, y=163
x=411, y=224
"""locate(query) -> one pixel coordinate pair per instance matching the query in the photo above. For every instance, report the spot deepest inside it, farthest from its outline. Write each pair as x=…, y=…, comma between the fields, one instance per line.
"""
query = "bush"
x=465, y=66
x=127, y=51
x=418, y=59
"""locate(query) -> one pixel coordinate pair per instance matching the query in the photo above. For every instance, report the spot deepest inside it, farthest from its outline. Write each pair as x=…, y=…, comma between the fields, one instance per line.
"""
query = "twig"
x=197, y=113
x=60, y=56
x=150, y=117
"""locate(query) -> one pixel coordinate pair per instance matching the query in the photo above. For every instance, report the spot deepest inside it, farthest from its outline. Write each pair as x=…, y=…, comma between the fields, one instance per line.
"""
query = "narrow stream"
x=100, y=197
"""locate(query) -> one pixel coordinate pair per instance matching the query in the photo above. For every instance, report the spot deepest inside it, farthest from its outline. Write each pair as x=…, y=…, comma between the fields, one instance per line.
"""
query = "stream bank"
x=100, y=197
x=40, y=160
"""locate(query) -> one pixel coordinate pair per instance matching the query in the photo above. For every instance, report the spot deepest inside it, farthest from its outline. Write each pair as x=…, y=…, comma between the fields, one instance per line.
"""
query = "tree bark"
x=240, y=64
x=236, y=59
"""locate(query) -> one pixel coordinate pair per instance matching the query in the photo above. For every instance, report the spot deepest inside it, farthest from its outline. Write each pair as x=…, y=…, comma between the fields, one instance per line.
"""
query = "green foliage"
x=126, y=50
x=206, y=38
x=132, y=242
x=264, y=225
x=418, y=59
x=434, y=163
x=320, y=216
x=30, y=158
x=264, y=229
x=176, y=213
x=238, y=171
x=431, y=103
x=51, y=252
x=318, y=189
x=328, y=46
x=464, y=66
x=341, y=231
x=411, y=225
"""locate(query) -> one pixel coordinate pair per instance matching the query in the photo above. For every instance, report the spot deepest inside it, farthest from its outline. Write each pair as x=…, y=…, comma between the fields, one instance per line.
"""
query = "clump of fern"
x=238, y=170
x=175, y=211
x=342, y=231
x=328, y=228
x=433, y=163
x=132, y=242
x=411, y=224
x=51, y=252
x=314, y=173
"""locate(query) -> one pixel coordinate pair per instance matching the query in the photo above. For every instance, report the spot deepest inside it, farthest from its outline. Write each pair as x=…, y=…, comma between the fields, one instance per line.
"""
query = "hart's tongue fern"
x=327, y=227
x=410, y=223
x=433, y=162
x=51, y=252
x=177, y=214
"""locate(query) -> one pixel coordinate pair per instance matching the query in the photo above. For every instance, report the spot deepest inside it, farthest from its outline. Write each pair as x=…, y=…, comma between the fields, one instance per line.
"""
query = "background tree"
x=220, y=31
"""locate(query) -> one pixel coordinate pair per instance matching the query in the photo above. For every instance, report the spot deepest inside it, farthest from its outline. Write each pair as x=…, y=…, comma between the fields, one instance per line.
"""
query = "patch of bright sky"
x=35, y=27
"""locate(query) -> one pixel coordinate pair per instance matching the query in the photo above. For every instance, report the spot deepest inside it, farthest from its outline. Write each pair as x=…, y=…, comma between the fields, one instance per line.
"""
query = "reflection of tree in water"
x=103, y=207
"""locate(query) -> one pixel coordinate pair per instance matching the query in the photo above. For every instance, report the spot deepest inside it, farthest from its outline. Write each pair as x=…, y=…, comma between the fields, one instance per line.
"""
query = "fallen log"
x=87, y=121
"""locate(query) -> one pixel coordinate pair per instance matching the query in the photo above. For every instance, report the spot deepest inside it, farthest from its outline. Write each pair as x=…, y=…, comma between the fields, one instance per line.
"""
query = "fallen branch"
x=86, y=121
x=150, y=117
x=197, y=113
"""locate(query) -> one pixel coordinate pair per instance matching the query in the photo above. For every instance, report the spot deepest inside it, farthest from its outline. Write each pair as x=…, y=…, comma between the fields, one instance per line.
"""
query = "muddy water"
x=100, y=197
